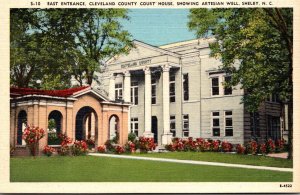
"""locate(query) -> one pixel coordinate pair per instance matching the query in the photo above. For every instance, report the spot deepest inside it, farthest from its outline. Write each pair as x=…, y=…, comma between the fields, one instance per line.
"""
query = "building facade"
x=177, y=90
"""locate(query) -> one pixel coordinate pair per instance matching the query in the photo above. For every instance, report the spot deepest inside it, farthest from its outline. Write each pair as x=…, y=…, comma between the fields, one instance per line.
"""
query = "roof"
x=15, y=92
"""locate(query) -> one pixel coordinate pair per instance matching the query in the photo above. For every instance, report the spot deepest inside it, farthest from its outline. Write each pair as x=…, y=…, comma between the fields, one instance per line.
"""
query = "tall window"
x=254, y=124
x=216, y=123
x=185, y=125
x=134, y=126
x=172, y=88
x=186, y=87
x=215, y=86
x=173, y=125
x=119, y=91
x=228, y=123
x=227, y=90
x=153, y=91
x=134, y=93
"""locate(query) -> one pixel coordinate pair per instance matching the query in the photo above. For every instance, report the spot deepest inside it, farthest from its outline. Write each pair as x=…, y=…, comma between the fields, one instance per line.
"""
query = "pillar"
x=112, y=87
x=147, y=130
x=127, y=86
x=167, y=135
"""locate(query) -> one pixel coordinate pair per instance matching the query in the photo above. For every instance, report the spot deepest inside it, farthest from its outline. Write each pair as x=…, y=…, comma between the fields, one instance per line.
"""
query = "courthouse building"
x=177, y=90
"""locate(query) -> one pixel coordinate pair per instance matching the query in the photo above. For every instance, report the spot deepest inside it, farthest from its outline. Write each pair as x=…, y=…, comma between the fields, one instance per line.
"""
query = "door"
x=154, y=128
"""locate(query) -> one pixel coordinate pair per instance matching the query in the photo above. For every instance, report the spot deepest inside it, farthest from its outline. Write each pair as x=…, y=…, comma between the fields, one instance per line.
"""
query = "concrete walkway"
x=193, y=162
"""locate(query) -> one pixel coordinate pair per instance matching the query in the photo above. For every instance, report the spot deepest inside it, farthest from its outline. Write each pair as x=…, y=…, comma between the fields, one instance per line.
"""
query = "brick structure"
x=81, y=113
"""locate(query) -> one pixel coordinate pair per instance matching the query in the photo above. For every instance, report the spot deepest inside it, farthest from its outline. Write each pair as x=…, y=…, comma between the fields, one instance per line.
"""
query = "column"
x=167, y=135
x=147, y=103
x=127, y=86
x=112, y=87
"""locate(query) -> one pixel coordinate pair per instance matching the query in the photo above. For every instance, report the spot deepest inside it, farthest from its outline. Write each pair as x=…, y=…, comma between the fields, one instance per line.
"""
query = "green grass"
x=224, y=158
x=104, y=169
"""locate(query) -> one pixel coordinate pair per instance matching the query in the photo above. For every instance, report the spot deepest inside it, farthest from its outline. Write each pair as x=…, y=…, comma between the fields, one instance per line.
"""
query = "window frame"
x=133, y=122
x=212, y=123
x=185, y=85
x=134, y=93
x=153, y=92
x=185, y=121
x=172, y=83
x=226, y=116
x=118, y=91
x=173, y=121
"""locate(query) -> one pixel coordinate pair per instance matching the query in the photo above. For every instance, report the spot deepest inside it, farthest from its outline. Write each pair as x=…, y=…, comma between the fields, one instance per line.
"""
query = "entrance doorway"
x=86, y=124
x=154, y=127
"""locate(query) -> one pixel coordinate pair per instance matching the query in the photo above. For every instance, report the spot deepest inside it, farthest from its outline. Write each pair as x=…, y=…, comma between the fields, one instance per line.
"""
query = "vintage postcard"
x=149, y=96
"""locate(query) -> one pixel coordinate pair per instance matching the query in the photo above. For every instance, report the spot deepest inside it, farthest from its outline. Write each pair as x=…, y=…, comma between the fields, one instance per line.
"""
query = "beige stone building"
x=82, y=113
x=177, y=90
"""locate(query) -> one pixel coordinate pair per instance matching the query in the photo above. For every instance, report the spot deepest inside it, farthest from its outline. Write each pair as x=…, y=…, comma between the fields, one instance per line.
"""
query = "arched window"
x=22, y=122
x=114, y=128
x=54, y=127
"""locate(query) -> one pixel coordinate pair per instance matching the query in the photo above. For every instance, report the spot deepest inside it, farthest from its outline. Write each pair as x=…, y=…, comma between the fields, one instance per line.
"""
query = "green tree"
x=52, y=45
x=260, y=40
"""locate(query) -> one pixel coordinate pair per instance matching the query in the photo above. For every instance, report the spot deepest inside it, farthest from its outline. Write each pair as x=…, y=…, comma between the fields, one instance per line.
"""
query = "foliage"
x=252, y=147
x=270, y=146
x=240, y=149
x=91, y=143
x=119, y=149
x=65, y=144
x=279, y=145
x=115, y=139
x=130, y=147
x=131, y=137
x=255, y=47
x=32, y=136
x=52, y=45
x=226, y=146
x=263, y=149
x=146, y=144
x=79, y=148
x=109, y=146
x=101, y=149
x=48, y=151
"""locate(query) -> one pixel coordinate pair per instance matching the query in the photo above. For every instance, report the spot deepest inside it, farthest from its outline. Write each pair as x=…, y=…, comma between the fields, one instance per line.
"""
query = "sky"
x=159, y=26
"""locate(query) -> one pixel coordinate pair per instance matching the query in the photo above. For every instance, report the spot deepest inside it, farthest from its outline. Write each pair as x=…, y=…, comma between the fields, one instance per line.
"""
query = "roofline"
x=44, y=96
x=179, y=43
x=88, y=91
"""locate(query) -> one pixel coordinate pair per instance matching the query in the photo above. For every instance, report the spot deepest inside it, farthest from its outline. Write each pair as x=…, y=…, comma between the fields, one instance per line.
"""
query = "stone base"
x=148, y=134
x=166, y=138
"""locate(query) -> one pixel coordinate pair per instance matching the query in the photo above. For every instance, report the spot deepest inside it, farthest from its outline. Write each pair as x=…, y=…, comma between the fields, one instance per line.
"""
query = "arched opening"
x=54, y=127
x=114, y=128
x=22, y=122
x=86, y=127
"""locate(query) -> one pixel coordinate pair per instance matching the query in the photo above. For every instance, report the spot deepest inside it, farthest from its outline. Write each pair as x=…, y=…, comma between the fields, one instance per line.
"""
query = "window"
x=228, y=123
x=185, y=125
x=119, y=91
x=227, y=90
x=173, y=125
x=254, y=124
x=134, y=126
x=172, y=88
x=153, y=91
x=216, y=123
x=134, y=93
x=186, y=87
x=215, y=86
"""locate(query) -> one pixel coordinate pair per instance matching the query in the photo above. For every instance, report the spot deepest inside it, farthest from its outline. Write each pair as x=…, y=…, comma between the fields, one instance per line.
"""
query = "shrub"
x=130, y=147
x=131, y=137
x=48, y=151
x=32, y=136
x=263, y=149
x=240, y=149
x=215, y=146
x=65, y=140
x=79, y=148
x=170, y=147
x=53, y=138
x=146, y=144
x=270, y=146
x=101, y=149
x=119, y=149
x=252, y=147
x=279, y=145
x=115, y=139
x=109, y=146
x=90, y=143
x=226, y=146
x=201, y=144
x=64, y=150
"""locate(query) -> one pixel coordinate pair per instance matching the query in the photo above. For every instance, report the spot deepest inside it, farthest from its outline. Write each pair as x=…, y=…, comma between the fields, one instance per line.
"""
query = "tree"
x=52, y=45
x=260, y=40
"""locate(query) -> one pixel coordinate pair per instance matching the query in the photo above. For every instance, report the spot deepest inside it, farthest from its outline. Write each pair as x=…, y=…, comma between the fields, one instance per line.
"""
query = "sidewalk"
x=193, y=162
x=279, y=155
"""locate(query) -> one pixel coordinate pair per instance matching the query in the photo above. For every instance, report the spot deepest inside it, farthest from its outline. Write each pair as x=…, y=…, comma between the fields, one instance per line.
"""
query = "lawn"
x=224, y=158
x=104, y=169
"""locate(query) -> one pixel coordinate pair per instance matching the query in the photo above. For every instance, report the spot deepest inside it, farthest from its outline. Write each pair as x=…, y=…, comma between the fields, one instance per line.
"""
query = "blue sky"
x=159, y=26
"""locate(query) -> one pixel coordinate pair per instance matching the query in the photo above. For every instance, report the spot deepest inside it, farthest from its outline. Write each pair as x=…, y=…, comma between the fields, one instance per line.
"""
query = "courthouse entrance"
x=154, y=128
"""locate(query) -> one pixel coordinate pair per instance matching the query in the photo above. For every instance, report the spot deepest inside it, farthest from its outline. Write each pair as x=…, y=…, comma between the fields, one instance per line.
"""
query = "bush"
x=226, y=146
x=64, y=150
x=131, y=137
x=215, y=146
x=263, y=149
x=48, y=151
x=270, y=146
x=101, y=149
x=119, y=149
x=252, y=147
x=109, y=146
x=279, y=145
x=91, y=143
x=53, y=139
x=130, y=147
x=79, y=148
x=146, y=144
x=32, y=136
x=240, y=149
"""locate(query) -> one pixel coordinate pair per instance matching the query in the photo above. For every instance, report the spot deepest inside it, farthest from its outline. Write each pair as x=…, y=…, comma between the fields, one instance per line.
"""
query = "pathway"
x=193, y=162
